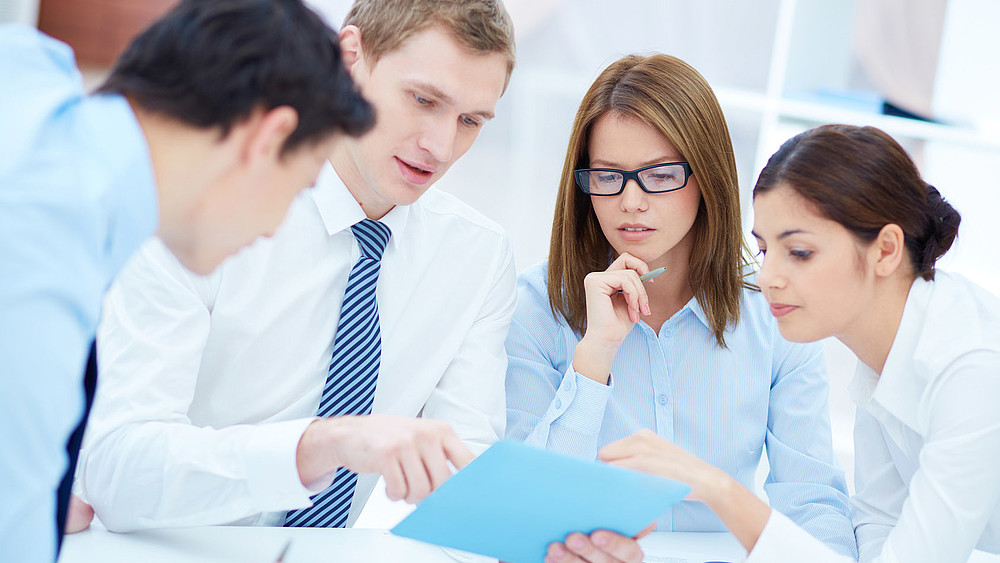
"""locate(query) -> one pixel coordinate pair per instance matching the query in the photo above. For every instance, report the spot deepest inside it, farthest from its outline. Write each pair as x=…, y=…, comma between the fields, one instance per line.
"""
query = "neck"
x=345, y=163
x=671, y=290
x=186, y=161
x=871, y=335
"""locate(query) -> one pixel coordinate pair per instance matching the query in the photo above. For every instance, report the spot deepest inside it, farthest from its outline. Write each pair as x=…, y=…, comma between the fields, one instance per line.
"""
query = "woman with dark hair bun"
x=849, y=234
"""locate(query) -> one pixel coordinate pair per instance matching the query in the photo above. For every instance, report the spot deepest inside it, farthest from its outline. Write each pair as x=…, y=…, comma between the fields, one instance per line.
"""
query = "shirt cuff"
x=580, y=403
x=273, y=473
x=782, y=540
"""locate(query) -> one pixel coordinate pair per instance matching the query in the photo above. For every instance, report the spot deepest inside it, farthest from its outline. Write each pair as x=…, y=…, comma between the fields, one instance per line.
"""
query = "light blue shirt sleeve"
x=805, y=482
x=76, y=198
x=724, y=405
x=548, y=404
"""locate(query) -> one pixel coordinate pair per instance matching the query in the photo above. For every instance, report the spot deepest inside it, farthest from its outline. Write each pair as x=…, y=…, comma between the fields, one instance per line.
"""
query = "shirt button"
x=668, y=333
x=662, y=399
x=558, y=404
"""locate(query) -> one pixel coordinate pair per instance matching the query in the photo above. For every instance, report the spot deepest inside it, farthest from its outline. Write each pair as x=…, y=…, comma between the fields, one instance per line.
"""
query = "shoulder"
x=961, y=320
x=755, y=315
x=533, y=315
x=533, y=307
x=40, y=84
x=452, y=213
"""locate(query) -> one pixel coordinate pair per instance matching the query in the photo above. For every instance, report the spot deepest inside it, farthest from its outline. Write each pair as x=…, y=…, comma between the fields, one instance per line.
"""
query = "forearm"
x=593, y=358
x=317, y=455
x=174, y=474
x=743, y=513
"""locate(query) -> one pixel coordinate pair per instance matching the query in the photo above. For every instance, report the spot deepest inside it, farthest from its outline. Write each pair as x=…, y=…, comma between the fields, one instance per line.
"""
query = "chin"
x=203, y=266
x=795, y=332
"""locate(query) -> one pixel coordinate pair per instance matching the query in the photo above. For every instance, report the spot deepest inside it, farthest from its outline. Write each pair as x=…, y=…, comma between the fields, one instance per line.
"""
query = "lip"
x=780, y=309
x=410, y=174
x=632, y=235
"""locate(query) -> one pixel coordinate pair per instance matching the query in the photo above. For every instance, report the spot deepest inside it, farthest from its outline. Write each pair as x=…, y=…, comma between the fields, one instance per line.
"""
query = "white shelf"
x=819, y=113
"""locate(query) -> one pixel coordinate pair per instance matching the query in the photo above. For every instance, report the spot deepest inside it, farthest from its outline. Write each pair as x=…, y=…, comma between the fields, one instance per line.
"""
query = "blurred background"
x=778, y=67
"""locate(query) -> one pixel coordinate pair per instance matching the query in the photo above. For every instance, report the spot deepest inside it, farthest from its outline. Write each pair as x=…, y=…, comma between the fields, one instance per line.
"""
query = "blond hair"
x=483, y=26
x=671, y=96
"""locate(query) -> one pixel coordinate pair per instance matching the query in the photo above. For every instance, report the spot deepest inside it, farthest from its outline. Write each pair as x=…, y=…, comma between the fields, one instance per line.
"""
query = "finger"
x=435, y=462
x=458, y=454
x=643, y=440
x=78, y=515
x=634, y=287
x=618, y=450
x=581, y=545
x=628, y=262
x=618, y=546
x=418, y=482
x=395, y=482
x=557, y=553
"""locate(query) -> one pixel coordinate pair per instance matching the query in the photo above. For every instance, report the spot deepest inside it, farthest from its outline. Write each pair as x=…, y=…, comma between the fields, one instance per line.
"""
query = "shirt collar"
x=695, y=307
x=339, y=210
x=899, y=388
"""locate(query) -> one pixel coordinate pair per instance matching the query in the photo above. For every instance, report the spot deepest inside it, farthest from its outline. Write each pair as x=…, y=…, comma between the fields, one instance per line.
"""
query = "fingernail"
x=576, y=542
x=600, y=539
x=645, y=309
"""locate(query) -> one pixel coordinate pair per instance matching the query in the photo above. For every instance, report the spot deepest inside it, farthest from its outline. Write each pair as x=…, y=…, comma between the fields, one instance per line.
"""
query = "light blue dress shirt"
x=723, y=405
x=77, y=197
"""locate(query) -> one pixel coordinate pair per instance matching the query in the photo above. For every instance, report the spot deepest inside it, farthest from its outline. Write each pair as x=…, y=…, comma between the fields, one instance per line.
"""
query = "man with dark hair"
x=366, y=337
x=214, y=118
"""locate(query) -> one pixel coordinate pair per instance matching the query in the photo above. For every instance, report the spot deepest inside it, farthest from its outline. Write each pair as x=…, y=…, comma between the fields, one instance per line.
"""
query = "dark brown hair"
x=861, y=178
x=672, y=97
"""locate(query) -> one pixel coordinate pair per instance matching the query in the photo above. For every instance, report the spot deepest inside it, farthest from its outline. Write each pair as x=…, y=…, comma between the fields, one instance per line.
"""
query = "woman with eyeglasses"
x=850, y=234
x=693, y=356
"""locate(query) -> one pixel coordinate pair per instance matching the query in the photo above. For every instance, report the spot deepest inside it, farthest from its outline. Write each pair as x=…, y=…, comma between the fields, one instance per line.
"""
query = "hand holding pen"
x=616, y=300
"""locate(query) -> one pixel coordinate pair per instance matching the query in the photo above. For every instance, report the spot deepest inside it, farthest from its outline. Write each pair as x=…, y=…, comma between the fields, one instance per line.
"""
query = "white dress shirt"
x=207, y=383
x=927, y=438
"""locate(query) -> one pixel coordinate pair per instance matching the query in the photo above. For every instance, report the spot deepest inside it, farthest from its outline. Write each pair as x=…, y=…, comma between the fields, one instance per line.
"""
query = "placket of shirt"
x=661, y=355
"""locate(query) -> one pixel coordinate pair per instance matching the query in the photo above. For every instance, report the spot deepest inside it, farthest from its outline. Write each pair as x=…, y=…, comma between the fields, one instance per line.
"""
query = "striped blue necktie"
x=350, y=384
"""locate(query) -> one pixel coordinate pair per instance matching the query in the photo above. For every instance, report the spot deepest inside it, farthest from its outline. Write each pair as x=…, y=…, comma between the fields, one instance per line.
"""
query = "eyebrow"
x=783, y=235
x=436, y=92
x=657, y=160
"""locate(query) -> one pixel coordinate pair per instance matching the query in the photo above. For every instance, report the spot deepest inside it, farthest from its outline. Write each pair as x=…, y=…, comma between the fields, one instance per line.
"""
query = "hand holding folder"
x=514, y=500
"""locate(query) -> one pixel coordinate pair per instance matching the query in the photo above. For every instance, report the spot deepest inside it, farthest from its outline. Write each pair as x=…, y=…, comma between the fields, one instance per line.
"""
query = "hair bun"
x=942, y=228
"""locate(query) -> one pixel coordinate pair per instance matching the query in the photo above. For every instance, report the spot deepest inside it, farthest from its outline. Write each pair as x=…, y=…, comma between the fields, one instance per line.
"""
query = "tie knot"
x=372, y=237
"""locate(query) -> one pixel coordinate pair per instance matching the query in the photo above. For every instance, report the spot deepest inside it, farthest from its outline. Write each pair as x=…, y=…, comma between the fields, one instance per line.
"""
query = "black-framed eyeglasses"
x=655, y=179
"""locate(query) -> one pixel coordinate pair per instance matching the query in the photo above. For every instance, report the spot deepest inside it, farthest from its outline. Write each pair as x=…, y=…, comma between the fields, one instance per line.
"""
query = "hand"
x=739, y=509
x=602, y=546
x=648, y=452
x=412, y=454
x=79, y=515
x=616, y=299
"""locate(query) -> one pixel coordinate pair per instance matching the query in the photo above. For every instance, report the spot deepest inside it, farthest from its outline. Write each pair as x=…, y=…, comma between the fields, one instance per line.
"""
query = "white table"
x=231, y=544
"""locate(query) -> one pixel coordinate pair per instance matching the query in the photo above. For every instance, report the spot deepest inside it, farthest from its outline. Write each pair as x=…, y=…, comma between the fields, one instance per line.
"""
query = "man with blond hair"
x=365, y=337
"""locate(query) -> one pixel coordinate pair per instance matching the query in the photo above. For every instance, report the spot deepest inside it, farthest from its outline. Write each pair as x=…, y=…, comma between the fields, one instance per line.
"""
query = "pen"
x=651, y=274
x=284, y=551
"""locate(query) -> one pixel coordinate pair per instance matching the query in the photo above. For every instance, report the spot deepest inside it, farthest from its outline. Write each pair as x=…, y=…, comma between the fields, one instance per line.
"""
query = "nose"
x=769, y=276
x=438, y=138
x=633, y=198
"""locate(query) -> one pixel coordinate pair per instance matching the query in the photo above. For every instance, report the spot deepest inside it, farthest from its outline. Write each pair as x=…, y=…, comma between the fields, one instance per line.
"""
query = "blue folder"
x=514, y=500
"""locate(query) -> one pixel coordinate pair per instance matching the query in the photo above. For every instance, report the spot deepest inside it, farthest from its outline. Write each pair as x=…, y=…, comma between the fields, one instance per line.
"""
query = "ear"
x=888, y=250
x=351, y=49
x=268, y=134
